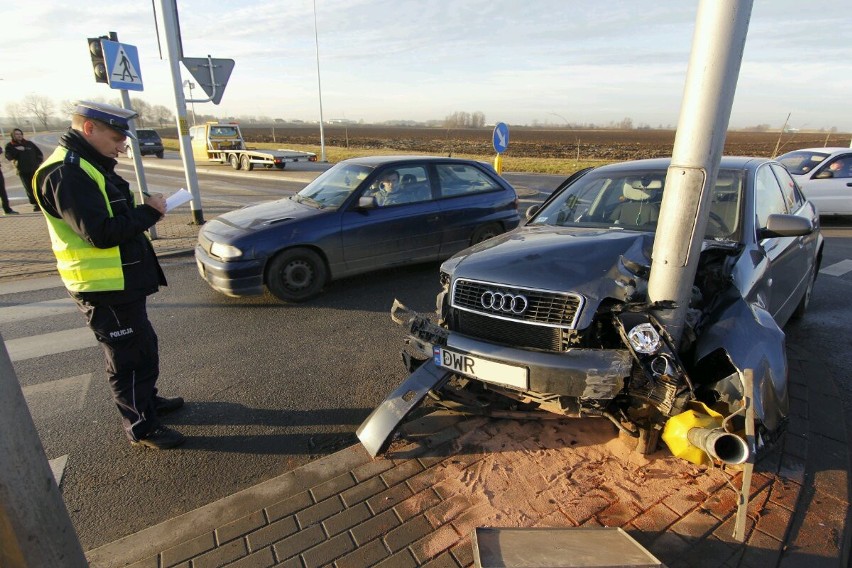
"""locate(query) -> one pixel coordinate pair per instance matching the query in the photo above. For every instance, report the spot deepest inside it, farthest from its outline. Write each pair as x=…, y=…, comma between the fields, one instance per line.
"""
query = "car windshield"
x=226, y=131
x=147, y=135
x=801, y=162
x=631, y=200
x=333, y=187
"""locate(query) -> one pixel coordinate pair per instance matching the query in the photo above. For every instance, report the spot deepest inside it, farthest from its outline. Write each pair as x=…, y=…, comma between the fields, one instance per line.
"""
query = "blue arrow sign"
x=122, y=63
x=501, y=137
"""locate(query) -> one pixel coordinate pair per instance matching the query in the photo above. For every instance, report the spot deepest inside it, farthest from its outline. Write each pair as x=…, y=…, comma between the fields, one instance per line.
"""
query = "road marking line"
x=30, y=285
x=61, y=388
x=838, y=269
x=57, y=466
x=37, y=310
x=50, y=343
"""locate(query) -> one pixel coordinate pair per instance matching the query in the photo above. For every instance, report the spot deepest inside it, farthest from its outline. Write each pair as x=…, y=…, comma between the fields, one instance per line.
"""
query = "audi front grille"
x=525, y=305
x=512, y=333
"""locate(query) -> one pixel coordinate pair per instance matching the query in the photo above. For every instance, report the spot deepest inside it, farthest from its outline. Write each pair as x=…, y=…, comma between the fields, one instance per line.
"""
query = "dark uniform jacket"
x=26, y=160
x=67, y=192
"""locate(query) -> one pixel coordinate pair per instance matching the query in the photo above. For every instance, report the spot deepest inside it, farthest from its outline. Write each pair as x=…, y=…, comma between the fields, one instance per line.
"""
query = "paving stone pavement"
x=417, y=505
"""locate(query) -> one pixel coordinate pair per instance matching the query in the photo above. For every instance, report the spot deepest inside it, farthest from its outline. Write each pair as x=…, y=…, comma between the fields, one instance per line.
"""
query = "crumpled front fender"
x=375, y=432
x=750, y=339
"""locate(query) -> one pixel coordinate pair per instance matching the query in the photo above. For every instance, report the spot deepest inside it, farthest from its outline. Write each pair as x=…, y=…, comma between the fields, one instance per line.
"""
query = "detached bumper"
x=242, y=278
x=582, y=373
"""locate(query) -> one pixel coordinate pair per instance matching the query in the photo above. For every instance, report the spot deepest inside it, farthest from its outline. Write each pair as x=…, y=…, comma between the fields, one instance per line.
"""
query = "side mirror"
x=367, y=202
x=786, y=226
x=531, y=211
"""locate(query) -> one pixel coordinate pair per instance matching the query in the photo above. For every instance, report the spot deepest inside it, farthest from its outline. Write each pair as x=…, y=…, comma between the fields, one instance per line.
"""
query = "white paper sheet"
x=177, y=199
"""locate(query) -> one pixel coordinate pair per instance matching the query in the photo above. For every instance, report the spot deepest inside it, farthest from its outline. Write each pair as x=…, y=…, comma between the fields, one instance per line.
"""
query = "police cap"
x=113, y=116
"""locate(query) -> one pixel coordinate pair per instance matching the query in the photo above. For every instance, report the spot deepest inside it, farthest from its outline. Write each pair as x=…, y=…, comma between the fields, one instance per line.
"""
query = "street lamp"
x=190, y=85
x=319, y=87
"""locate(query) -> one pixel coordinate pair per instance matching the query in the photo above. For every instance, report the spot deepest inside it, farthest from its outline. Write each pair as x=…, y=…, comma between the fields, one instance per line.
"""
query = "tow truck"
x=223, y=143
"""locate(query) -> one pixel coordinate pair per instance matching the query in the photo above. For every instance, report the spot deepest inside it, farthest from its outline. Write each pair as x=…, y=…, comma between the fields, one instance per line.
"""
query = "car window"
x=838, y=168
x=410, y=184
x=462, y=179
x=333, y=187
x=147, y=135
x=792, y=198
x=631, y=200
x=801, y=162
x=223, y=131
x=768, y=197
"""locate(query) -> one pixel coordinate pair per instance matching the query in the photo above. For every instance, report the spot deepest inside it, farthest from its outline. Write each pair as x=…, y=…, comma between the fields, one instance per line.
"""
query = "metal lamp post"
x=190, y=85
x=319, y=87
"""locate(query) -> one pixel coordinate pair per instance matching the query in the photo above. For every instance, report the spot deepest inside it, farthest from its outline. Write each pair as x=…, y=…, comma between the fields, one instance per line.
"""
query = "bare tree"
x=67, y=108
x=161, y=114
x=40, y=107
x=14, y=111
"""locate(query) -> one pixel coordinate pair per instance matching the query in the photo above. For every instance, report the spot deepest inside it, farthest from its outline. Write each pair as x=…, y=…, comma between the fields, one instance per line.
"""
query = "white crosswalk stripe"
x=838, y=268
x=37, y=310
x=50, y=343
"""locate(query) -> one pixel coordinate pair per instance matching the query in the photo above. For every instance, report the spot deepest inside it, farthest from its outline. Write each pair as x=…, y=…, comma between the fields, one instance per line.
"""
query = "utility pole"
x=35, y=529
x=168, y=10
x=711, y=81
x=319, y=87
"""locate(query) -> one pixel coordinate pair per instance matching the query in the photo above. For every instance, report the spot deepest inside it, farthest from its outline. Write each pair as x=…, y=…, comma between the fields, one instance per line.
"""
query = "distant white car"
x=825, y=176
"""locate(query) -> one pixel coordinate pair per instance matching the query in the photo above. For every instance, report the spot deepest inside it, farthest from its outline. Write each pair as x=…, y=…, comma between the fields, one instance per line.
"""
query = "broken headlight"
x=644, y=339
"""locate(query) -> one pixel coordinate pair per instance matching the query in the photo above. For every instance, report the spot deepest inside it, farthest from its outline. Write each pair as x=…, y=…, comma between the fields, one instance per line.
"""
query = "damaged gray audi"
x=554, y=316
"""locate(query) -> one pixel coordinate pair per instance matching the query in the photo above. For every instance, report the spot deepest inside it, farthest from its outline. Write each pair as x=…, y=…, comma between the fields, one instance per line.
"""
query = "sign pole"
x=167, y=8
x=137, y=155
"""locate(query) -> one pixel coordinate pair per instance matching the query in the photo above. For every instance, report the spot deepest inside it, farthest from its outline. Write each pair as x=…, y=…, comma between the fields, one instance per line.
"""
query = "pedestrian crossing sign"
x=122, y=63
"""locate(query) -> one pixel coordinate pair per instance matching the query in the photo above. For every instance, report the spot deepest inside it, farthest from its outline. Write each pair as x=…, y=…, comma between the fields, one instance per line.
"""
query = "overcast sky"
x=516, y=61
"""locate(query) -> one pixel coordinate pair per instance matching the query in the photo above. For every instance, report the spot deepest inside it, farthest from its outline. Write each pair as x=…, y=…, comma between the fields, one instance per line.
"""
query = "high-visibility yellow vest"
x=82, y=267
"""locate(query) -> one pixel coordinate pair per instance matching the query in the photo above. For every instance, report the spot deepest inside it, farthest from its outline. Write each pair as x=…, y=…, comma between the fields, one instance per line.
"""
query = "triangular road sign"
x=200, y=68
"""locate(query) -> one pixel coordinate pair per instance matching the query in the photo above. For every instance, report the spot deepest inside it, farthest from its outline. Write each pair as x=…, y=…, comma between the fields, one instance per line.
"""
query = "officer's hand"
x=157, y=201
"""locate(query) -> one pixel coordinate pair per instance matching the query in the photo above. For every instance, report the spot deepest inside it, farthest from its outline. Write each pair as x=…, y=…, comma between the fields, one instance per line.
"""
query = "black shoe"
x=162, y=438
x=9, y=212
x=36, y=208
x=165, y=404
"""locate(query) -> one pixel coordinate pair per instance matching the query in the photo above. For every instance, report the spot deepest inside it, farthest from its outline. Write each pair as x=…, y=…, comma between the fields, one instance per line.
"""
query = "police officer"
x=107, y=262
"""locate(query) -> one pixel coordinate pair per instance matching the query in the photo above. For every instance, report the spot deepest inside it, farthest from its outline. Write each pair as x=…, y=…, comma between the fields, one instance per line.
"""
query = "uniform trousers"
x=132, y=360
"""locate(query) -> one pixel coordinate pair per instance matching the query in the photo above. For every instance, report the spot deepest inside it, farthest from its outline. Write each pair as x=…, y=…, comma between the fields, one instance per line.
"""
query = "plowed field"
x=532, y=142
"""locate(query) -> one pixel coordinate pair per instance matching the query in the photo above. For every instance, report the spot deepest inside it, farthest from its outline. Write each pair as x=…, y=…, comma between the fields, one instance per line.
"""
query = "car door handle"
x=849, y=184
x=434, y=219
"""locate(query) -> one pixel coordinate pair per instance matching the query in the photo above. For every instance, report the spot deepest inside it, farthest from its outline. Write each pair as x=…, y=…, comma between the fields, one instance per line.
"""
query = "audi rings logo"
x=503, y=302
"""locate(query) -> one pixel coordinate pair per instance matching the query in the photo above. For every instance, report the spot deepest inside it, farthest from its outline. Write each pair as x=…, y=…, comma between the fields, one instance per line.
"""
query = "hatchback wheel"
x=296, y=275
x=486, y=232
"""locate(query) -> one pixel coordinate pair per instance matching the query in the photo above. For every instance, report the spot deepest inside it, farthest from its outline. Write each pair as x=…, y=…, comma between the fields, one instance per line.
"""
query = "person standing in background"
x=4, y=199
x=27, y=157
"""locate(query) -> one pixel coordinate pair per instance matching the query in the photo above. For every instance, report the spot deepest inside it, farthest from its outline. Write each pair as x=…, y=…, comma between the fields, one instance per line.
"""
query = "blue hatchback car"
x=362, y=214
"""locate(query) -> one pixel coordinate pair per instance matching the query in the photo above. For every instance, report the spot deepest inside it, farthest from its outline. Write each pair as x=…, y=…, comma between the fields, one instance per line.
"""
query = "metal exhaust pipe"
x=721, y=445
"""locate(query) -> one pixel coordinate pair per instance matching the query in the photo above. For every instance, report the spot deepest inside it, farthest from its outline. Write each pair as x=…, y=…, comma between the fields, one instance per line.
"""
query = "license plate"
x=482, y=369
x=148, y=144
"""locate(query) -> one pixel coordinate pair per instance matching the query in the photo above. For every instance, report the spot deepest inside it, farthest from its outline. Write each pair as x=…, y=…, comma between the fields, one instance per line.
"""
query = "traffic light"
x=98, y=63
